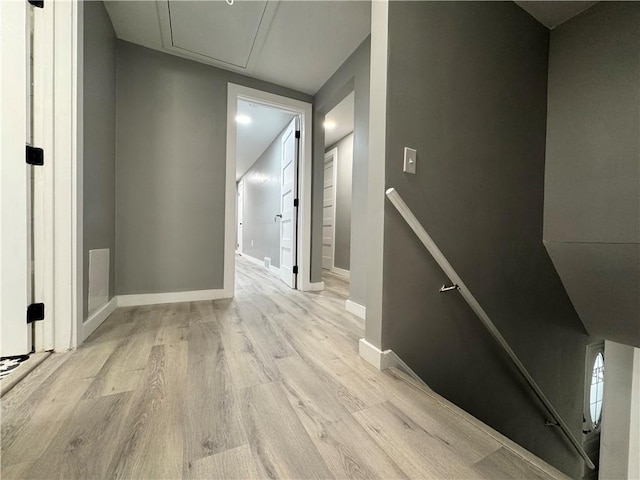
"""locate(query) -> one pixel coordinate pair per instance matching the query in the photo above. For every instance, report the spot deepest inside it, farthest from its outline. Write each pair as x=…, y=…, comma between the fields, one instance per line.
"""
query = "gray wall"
x=99, y=138
x=344, y=181
x=593, y=140
x=262, y=203
x=467, y=85
x=171, y=143
x=353, y=75
x=592, y=178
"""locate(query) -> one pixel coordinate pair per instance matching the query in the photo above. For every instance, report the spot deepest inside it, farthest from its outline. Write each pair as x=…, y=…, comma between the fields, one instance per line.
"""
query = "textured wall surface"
x=262, y=203
x=468, y=89
x=99, y=131
x=352, y=76
x=592, y=177
x=171, y=143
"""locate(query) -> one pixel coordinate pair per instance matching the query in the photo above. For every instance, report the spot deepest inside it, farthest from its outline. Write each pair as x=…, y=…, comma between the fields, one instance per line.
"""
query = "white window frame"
x=592, y=353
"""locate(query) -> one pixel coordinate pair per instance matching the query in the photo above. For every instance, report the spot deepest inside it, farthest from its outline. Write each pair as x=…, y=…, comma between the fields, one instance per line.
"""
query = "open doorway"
x=337, y=193
x=266, y=161
x=269, y=161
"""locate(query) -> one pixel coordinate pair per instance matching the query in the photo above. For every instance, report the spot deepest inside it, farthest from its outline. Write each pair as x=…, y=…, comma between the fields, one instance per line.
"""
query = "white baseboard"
x=385, y=359
x=357, y=309
x=171, y=297
x=253, y=260
x=314, y=287
x=274, y=270
x=98, y=317
x=260, y=263
x=341, y=271
x=376, y=357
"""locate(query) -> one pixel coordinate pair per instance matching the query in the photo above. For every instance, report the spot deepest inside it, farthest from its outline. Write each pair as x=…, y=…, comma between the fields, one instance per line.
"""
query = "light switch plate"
x=410, y=160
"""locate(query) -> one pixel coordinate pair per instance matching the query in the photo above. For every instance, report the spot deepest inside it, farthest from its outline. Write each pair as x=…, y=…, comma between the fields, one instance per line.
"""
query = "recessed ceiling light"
x=329, y=125
x=243, y=119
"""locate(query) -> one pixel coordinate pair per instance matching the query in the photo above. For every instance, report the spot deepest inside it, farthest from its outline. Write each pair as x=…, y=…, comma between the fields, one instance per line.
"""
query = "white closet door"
x=328, y=209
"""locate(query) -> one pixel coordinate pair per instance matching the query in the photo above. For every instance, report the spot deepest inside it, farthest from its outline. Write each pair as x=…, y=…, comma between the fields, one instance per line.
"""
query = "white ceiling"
x=254, y=138
x=553, y=13
x=297, y=44
x=342, y=115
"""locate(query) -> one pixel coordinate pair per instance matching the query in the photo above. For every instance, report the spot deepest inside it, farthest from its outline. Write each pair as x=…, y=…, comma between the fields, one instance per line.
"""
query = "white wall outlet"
x=410, y=160
x=267, y=263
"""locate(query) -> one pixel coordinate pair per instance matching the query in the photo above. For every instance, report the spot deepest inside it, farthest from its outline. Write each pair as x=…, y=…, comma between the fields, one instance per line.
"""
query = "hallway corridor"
x=268, y=385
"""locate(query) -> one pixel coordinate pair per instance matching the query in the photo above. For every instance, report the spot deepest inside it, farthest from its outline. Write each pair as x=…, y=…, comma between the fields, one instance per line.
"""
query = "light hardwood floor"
x=268, y=385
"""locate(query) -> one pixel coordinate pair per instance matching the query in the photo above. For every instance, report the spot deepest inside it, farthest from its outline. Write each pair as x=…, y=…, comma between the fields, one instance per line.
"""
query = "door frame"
x=303, y=243
x=58, y=129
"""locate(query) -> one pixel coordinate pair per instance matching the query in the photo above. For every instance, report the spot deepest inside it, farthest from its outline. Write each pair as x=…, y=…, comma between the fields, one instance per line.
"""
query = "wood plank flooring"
x=267, y=385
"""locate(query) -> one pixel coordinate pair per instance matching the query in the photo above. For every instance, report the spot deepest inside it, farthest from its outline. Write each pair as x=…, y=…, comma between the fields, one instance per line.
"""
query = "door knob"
x=276, y=217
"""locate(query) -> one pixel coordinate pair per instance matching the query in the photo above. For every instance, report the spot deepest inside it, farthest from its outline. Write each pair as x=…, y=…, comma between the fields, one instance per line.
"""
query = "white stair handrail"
x=459, y=285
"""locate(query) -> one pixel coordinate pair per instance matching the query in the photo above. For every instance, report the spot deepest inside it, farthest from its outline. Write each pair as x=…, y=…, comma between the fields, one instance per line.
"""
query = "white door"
x=240, y=215
x=288, y=213
x=328, y=208
x=15, y=174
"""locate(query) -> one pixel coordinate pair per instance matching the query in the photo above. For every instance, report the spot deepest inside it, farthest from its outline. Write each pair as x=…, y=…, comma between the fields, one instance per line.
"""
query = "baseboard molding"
x=274, y=270
x=314, y=287
x=357, y=309
x=97, y=317
x=171, y=297
x=376, y=357
x=253, y=260
x=260, y=263
x=341, y=271
x=384, y=359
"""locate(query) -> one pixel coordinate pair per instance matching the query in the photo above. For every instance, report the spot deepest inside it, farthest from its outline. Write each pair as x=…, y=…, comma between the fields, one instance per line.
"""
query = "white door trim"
x=58, y=97
x=43, y=211
x=297, y=107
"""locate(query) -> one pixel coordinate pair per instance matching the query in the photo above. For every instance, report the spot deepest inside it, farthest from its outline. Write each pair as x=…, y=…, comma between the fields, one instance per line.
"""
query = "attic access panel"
x=216, y=30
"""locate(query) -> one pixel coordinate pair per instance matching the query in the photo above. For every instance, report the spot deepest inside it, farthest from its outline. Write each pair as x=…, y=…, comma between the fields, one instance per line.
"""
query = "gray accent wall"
x=99, y=140
x=344, y=182
x=353, y=75
x=171, y=144
x=592, y=181
x=467, y=88
x=262, y=203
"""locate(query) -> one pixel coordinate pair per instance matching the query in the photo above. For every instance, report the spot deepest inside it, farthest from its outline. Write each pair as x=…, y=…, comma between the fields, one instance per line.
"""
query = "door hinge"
x=35, y=156
x=297, y=133
x=295, y=202
x=37, y=3
x=295, y=269
x=35, y=312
